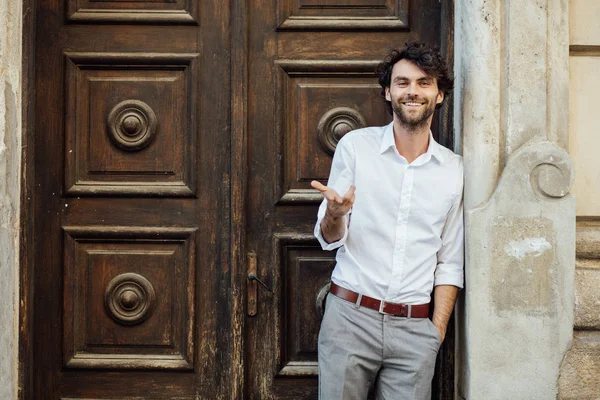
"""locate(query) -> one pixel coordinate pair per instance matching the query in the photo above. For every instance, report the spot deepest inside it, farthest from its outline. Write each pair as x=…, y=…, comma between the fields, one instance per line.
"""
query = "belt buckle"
x=381, y=305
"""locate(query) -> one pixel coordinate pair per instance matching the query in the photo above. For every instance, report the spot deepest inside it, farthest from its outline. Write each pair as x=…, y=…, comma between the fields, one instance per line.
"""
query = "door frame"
x=26, y=292
x=239, y=174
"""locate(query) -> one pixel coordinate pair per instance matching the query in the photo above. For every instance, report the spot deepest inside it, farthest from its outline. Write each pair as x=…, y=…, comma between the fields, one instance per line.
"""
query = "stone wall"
x=580, y=374
x=516, y=314
x=10, y=164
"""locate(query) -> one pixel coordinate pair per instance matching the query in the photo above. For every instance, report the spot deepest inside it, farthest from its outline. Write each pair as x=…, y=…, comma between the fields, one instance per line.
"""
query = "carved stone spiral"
x=321, y=297
x=132, y=125
x=335, y=123
x=129, y=299
x=551, y=180
x=552, y=174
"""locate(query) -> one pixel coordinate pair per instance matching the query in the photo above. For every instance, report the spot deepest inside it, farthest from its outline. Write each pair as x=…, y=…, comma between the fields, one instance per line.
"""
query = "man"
x=393, y=209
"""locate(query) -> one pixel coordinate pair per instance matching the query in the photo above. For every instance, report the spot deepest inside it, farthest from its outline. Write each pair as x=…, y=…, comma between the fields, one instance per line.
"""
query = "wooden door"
x=166, y=140
x=130, y=208
x=311, y=80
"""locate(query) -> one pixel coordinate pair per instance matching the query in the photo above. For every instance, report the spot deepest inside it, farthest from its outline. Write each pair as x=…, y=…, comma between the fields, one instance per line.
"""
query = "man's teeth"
x=413, y=104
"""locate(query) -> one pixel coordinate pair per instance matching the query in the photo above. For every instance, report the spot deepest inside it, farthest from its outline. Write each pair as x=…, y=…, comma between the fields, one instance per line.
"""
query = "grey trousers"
x=359, y=347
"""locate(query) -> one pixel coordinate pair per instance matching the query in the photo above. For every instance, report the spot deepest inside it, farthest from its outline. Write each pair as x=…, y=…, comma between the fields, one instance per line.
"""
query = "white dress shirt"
x=404, y=233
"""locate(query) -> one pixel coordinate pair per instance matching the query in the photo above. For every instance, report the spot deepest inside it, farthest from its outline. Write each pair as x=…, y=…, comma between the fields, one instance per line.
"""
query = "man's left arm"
x=444, y=298
x=449, y=273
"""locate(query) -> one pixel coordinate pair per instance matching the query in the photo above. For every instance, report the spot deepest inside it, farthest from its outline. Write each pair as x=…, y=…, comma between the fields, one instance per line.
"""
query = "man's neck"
x=411, y=142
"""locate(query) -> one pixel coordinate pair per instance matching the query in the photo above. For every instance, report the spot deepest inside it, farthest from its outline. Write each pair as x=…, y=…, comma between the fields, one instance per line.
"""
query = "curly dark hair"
x=426, y=57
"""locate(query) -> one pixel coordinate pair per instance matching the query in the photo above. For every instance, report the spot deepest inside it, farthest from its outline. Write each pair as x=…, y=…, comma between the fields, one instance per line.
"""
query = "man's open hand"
x=337, y=206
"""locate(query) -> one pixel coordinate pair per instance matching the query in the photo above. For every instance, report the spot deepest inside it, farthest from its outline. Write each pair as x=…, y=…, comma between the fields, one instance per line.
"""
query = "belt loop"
x=409, y=311
x=358, y=300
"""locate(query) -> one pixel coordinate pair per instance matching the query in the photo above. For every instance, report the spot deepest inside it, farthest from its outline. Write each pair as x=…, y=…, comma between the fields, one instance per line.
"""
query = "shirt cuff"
x=333, y=245
x=449, y=278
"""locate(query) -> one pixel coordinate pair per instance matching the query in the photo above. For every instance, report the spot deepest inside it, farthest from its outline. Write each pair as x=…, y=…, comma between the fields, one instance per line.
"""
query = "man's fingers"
x=332, y=196
x=350, y=193
x=350, y=201
x=319, y=186
x=349, y=196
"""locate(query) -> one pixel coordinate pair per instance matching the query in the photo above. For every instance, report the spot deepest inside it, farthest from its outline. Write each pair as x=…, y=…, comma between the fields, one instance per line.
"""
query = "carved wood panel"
x=137, y=11
x=126, y=124
x=343, y=15
x=129, y=113
x=184, y=100
x=306, y=90
x=129, y=297
x=305, y=278
x=321, y=100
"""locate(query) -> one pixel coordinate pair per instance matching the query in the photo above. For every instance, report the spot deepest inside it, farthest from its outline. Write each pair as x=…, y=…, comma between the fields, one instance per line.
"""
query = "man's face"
x=413, y=94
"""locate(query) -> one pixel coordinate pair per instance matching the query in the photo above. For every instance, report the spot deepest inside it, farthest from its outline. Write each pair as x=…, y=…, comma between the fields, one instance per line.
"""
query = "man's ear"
x=387, y=94
x=440, y=97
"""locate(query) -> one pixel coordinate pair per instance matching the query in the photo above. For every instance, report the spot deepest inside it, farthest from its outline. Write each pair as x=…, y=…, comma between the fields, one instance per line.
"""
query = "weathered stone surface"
x=478, y=65
x=588, y=239
x=522, y=265
x=512, y=86
x=579, y=379
x=10, y=166
x=587, y=276
x=519, y=279
x=587, y=295
x=527, y=27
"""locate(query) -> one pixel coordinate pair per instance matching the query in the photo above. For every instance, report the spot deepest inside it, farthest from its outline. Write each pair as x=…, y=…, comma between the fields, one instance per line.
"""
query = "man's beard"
x=413, y=122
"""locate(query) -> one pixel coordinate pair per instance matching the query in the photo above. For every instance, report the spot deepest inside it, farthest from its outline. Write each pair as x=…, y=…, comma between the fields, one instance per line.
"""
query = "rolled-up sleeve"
x=450, y=263
x=341, y=177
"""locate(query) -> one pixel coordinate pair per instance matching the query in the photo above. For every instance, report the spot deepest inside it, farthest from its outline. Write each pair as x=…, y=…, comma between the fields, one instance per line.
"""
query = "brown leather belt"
x=400, y=310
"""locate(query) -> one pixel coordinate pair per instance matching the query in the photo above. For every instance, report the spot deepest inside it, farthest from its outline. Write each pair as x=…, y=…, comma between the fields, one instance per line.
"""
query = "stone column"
x=10, y=192
x=516, y=317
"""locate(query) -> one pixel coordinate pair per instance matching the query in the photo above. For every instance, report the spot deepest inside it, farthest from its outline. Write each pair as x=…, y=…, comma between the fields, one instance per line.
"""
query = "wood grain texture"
x=187, y=85
x=156, y=90
x=303, y=77
x=26, y=336
x=154, y=265
x=349, y=15
x=232, y=80
x=139, y=12
x=239, y=176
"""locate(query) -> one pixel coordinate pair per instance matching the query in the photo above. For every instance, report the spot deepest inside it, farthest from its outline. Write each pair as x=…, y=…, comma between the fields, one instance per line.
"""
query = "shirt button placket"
x=401, y=232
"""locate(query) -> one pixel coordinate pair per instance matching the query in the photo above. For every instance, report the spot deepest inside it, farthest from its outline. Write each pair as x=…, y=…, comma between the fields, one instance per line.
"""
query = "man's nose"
x=412, y=89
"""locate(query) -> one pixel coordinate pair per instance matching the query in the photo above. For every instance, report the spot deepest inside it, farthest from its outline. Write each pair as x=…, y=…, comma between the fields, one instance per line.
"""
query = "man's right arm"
x=333, y=224
x=333, y=219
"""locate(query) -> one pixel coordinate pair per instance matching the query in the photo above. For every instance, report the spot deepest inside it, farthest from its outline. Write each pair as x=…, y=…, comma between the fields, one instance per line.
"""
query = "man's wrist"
x=441, y=327
x=332, y=218
x=330, y=228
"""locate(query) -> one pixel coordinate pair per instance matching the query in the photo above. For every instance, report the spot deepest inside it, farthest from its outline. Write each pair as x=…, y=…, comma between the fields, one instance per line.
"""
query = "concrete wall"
x=516, y=318
x=10, y=164
x=580, y=375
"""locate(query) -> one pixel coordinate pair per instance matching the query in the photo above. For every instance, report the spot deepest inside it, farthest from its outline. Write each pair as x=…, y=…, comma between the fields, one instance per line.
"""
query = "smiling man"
x=393, y=209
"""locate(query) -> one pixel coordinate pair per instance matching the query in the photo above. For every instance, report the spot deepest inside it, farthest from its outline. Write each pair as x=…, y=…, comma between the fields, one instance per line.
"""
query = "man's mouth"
x=412, y=103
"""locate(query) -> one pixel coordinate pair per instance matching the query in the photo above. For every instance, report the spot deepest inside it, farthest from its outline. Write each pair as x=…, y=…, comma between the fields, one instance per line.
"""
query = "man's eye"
x=425, y=83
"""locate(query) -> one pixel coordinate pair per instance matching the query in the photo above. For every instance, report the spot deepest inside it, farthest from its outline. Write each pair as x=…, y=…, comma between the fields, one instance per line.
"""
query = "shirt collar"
x=387, y=140
x=433, y=149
